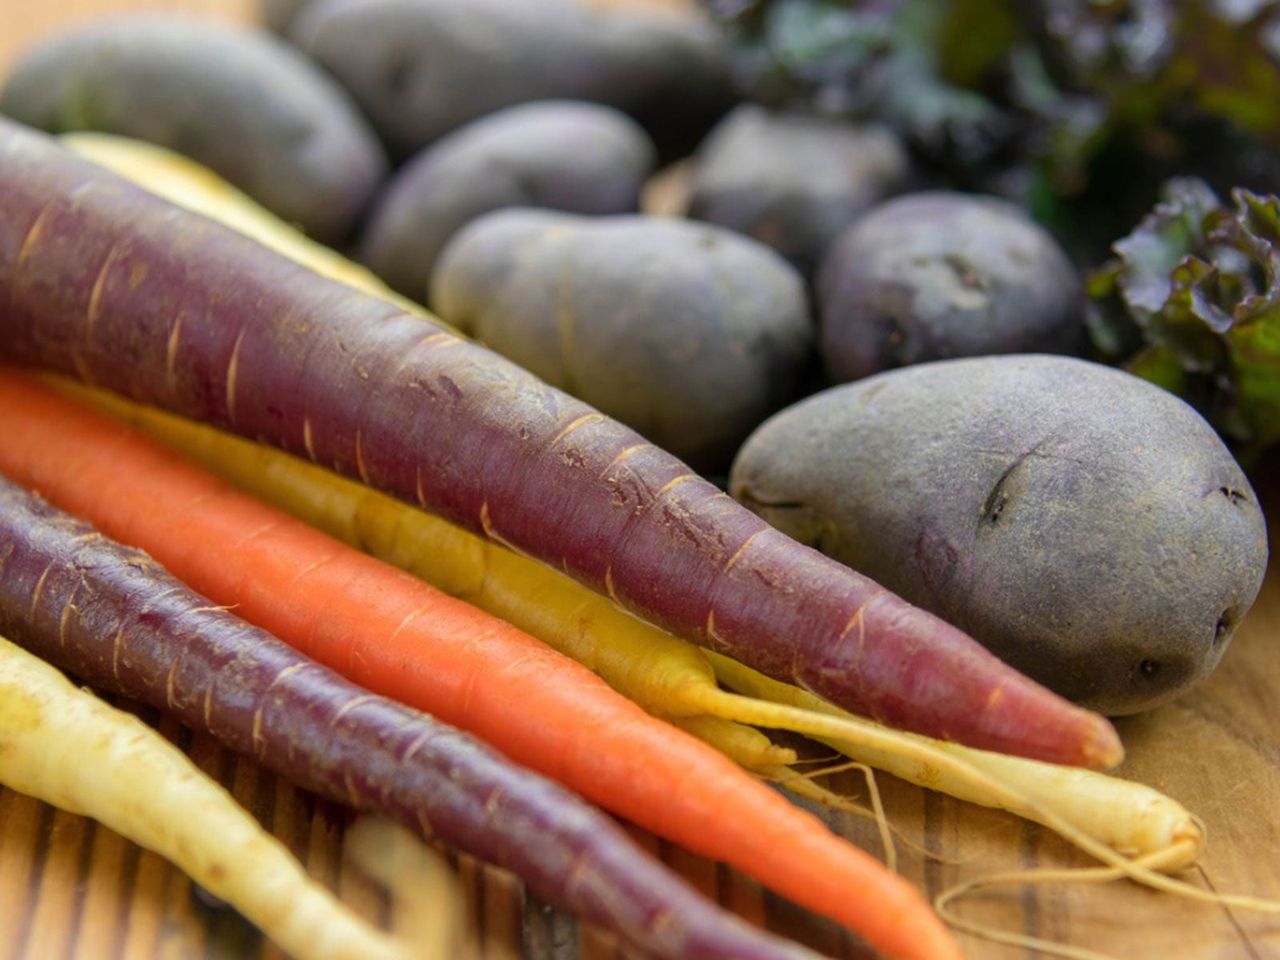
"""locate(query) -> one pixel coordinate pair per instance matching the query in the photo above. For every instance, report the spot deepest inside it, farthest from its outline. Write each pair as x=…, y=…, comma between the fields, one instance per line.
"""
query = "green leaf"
x=813, y=37
x=1161, y=243
x=1202, y=282
x=1160, y=366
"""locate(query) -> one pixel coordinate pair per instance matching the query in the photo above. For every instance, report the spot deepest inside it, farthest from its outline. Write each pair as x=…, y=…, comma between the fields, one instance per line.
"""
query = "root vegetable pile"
x=100, y=279
x=112, y=615
x=397, y=636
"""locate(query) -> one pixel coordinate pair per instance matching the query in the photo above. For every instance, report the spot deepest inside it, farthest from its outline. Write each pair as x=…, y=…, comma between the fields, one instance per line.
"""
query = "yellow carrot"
x=667, y=676
x=746, y=746
x=1130, y=818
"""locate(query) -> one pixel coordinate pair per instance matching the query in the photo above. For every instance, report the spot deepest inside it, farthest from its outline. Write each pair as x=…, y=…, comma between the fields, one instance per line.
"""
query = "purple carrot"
x=111, y=615
x=101, y=280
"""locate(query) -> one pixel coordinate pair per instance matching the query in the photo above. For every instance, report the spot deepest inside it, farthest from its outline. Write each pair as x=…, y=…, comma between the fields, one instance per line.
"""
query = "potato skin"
x=420, y=68
x=239, y=101
x=1088, y=527
x=934, y=275
x=688, y=333
x=577, y=157
x=794, y=180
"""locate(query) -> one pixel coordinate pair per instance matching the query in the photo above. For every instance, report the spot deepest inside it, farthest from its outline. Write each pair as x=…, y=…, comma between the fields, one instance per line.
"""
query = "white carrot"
x=64, y=746
x=1131, y=818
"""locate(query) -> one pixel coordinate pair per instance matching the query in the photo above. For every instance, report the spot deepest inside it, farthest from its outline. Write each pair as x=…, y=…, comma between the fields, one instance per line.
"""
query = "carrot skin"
x=112, y=616
x=103, y=281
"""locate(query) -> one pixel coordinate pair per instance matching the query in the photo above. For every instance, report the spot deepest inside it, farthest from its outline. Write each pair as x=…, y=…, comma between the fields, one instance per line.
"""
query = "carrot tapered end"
x=1103, y=750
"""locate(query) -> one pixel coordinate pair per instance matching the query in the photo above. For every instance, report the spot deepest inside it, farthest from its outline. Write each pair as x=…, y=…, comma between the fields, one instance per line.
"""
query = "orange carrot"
x=400, y=637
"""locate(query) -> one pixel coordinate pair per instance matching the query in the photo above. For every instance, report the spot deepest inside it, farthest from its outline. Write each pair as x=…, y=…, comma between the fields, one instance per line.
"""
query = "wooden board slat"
x=71, y=889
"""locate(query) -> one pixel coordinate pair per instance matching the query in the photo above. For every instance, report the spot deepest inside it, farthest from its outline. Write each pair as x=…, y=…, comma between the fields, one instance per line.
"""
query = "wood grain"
x=71, y=889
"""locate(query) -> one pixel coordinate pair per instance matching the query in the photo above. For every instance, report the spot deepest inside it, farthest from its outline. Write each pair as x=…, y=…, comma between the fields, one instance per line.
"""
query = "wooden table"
x=71, y=889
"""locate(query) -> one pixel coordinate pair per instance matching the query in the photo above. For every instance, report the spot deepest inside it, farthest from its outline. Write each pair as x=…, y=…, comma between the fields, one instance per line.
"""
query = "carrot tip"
x=1103, y=750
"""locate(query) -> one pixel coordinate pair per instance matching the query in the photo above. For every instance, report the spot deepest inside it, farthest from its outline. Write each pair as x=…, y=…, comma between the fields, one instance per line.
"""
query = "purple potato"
x=1088, y=527
x=248, y=106
x=276, y=15
x=936, y=275
x=793, y=180
x=421, y=68
x=689, y=334
x=578, y=157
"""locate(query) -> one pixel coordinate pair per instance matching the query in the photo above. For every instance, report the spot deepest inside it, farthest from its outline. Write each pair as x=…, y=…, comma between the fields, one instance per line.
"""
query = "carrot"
x=110, y=614
x=394, y=634
x=427, y=906
x=183, y=182
x=747, y=746
x=669, y=677
x=100, y=279
x=1130, y=818
x=66, y=747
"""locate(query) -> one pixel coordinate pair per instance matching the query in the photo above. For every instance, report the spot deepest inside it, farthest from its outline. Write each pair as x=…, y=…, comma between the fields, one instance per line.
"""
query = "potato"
x=421, y=68
x=935, y=275
x=688, y=333
x=1088, y=527
x=278, y=14
x=242, y=103
x=794, y=180
x=578, y=157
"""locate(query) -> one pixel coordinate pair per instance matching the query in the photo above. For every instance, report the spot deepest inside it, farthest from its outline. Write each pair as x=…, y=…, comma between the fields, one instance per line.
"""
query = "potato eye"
x=1221, y=629
x=1235, y=496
